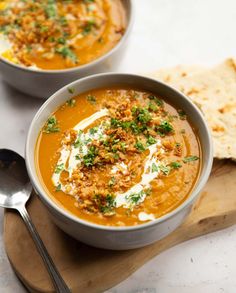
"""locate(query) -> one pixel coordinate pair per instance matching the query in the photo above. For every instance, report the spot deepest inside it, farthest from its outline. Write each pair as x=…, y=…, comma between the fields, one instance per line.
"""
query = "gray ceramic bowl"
x=43, y=83
x=119, y=237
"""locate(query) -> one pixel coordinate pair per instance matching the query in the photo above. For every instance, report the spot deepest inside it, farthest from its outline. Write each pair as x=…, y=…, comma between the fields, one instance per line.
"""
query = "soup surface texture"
x=50, y=34
x=118, y=156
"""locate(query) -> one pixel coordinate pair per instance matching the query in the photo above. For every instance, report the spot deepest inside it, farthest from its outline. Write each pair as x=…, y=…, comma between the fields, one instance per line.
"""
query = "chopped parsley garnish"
x=71, y=90
x=78, y=142
x=61, y=41
x=43, y=28
x=93, y=130
x=63, y=21
x=71, y=103
x=91, y=99
x=151, y=140
x=111, y=181
x=139, y=146
x=165, y=169
x=142, y=115
x=190, y=159
x=89, y=158
x=164, y=128
x=152, y=107
x=116, y=156
x=134, y=126
x=106, y=204
x=51, y=125
x=59, y=168
x=155, y=168
x=88, y=27
x=51, y=39
x=123, y=146
x=58, y=188
x=50, y=9
x=182, y=114
x=77, y=157
x=66, y=52
x=158, y=101
x=135, y=198
x=175, y=165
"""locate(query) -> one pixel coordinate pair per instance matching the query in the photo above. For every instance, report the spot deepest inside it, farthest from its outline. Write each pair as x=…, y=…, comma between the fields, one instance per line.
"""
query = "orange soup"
x=118, y=156
x=50, y=34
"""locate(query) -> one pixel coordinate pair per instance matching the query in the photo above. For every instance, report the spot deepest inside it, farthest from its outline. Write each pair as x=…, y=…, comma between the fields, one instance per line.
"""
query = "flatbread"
x=174, y=74
x=214, y=92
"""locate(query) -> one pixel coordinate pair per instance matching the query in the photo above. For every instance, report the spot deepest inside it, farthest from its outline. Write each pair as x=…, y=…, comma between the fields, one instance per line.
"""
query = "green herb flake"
x=51, y=125
x=78, y=142
x=91, y=99
x=89, y=158
x=142, y=115
x=152, y=107
x=112, y=181
x=165, y=169
x=59, y=168
x=116, y=156
x=61, y=41
x=106, y=205
x=164, y=128
x=58, y=188
x=158, y=101
x=88, y=27
x=77, y=157
x=50, y=9
x=44, y=29
x=123, y=146
x=71, y=90
x=139, y=146
x=182, y=114
x=66, y=52
x=71, y=103
x=93, y=130
x=51, y=39
x=155, y=168
x=190, y=159
x=175, y=165
x=63, y=21
x=135, y=198
x=151, y=140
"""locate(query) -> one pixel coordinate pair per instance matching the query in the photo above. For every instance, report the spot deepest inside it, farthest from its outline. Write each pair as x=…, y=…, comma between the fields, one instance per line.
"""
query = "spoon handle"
x=59, y=284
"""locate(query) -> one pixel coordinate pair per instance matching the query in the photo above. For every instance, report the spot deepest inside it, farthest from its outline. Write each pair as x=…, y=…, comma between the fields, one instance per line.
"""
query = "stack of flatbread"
x=214, y=92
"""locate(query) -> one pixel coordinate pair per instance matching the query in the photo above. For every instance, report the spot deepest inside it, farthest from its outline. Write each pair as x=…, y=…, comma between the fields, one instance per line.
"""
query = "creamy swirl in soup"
x=50, y=34
x=118, y=156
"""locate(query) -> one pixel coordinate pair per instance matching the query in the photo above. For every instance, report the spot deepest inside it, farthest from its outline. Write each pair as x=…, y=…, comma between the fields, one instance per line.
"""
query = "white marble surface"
x=166, y=33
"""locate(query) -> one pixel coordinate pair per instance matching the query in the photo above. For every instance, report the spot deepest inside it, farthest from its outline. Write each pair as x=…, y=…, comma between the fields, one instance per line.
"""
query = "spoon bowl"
x=15, y=187
x=15, y=190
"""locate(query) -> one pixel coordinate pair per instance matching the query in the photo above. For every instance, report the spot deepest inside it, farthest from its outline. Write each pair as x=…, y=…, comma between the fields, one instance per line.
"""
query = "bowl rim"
x=35, y=180
x=86, y=66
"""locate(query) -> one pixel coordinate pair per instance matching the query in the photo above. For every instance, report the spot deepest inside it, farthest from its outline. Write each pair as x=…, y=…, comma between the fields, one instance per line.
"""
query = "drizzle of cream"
x=71, y=156
x=122, y=199
x=88, y=121
x=65, y=152
x=119, y=167
x=145, y=217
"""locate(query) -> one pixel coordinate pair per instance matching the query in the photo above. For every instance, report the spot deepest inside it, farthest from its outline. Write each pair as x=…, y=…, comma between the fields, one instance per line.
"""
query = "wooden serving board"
x=86, y=269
